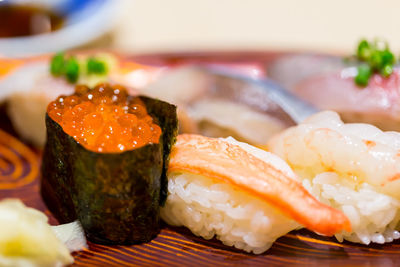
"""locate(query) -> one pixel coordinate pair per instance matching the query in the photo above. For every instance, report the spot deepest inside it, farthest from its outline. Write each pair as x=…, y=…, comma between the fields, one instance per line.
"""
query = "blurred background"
x=157, y=25
x=154, y=26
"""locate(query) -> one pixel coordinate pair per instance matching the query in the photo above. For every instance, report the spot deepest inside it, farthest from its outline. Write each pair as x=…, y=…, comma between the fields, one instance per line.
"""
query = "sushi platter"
x=179, y=247
x=26, y=173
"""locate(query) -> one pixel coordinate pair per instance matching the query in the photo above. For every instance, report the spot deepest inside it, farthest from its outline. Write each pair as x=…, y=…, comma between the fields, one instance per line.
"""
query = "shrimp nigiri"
x=353, y=167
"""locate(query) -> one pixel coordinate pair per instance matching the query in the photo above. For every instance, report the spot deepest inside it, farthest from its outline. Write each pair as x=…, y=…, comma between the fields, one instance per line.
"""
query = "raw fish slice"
x=288, y=70
x=328, y=83
x=220, y=106
x=229, y=163
x=378, y=103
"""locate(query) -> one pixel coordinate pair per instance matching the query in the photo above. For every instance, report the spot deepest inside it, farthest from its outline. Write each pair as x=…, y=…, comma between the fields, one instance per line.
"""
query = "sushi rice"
x=374, y=216
x=234, y=217
x=350, y=167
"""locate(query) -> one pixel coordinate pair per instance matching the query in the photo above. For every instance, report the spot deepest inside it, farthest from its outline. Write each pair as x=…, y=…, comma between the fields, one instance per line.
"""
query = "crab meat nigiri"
x=243, y=195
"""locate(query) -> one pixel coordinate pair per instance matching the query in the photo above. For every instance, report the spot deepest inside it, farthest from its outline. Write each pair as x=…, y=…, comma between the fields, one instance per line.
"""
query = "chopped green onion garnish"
x=72, y=70
x=95, y=66
x=387, y=57
x=387, y=70
x=375, y=61
x=363, y=74
x=57, y=64
x=363, y=50
x=375, y=58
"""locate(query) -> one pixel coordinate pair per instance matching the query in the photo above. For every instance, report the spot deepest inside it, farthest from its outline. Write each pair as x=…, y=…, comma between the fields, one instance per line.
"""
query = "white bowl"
x=85, y=20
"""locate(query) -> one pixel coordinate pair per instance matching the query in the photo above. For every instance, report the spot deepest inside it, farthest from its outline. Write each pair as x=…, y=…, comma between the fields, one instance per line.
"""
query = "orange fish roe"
x=105, y=119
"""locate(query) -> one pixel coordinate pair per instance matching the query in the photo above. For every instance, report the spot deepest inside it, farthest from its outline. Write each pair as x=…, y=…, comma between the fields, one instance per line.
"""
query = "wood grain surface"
x=19, y=178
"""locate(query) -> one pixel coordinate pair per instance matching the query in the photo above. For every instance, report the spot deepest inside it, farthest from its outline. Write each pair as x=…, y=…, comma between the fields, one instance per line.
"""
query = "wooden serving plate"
x=19, y=178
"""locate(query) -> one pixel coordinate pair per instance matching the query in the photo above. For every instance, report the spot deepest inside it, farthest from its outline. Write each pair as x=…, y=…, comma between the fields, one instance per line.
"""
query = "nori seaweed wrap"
x=115, y=196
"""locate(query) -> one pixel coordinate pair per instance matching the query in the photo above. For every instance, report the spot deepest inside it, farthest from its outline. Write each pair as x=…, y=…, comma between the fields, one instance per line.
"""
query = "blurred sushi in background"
x=362, y=88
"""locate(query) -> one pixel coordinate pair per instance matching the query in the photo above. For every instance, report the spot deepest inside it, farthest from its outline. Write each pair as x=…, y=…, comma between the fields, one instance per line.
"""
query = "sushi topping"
x=96, y=66
x=375, y=57
x=72, y=68
x=105, y=119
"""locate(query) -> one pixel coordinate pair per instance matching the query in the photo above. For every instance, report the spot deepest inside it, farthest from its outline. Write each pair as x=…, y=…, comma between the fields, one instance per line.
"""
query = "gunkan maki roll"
x=105, y=162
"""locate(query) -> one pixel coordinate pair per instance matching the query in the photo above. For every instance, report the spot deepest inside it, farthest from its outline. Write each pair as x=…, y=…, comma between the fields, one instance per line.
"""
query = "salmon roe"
x=105, y=119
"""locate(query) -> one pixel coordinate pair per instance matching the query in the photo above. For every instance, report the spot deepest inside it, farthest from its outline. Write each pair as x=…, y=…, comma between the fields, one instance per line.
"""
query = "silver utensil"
x=257, y=91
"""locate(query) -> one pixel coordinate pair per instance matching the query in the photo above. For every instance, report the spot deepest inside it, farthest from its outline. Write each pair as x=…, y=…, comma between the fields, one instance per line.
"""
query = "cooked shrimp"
x=359, y=152
x=352, y=167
